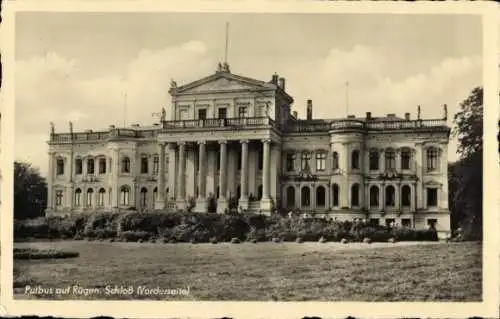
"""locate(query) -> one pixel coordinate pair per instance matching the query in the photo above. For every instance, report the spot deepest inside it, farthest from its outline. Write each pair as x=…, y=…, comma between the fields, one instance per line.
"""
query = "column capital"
x=202, y=142
x=266, y=140
x=181, y=143
x=222, y=141
x=244, y=141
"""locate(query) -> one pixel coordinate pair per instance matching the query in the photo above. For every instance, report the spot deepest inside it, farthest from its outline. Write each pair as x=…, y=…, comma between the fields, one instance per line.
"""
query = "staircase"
x=254, y=206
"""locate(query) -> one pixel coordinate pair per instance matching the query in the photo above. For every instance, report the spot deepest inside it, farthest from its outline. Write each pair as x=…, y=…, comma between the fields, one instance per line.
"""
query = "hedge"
x=208, y=227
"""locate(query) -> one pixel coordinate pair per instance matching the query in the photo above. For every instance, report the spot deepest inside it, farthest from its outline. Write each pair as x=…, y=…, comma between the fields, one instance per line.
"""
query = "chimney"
x=407, y=116
x=281, y=83
x=368, y=115
x=295, y=114
x=309, y=109
x=275, y=79
x=351, y=116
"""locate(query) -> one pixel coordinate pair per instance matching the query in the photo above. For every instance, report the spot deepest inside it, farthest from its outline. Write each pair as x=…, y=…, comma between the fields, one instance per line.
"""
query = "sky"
x=78, y=66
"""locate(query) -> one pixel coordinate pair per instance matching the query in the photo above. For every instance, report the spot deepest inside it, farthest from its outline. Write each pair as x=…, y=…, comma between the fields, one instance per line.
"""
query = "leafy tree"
x=466, y=175
x=30, y=192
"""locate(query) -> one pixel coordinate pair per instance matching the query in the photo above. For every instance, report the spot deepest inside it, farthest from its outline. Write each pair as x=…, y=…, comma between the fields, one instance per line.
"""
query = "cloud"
x=55, y=88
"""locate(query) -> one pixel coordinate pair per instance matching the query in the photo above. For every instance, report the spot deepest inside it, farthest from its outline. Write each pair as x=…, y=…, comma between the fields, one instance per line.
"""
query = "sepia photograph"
x=248, y=156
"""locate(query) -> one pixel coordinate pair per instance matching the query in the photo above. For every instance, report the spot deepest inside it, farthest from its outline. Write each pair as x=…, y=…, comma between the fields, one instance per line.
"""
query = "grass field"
x=264, y=271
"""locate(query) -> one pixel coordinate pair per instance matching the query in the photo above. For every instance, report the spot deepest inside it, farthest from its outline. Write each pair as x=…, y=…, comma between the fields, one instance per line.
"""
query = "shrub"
x=322, y=240
x=276, y=240
x=235, y=240
x=31, y=253
x=213, y=240
x=367, y=240
x=344, y=241
x=392, y=240
x=254, y=241
x=192, y=241
x=299, y=240
x=134, y=236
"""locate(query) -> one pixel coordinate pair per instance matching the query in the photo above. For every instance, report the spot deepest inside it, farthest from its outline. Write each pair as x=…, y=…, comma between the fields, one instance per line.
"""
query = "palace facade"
x=234, y=138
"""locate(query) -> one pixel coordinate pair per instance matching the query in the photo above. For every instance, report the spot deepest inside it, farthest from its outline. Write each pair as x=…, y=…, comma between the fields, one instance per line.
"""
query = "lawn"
x=260, y=272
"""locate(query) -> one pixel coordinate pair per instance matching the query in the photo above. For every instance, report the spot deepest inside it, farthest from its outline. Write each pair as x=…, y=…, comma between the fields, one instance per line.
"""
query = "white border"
x=148, y=309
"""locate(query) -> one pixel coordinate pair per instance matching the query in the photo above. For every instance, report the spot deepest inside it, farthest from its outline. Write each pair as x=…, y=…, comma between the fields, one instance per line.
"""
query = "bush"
x=213, y=240
x=235, y=240
x=276, y=240
x=392, y=240
x=322, y=240
x=299, y=240
x=134, y=236
x=31, y=253
x=344, y=241
x=254, y=241
x=367, y=240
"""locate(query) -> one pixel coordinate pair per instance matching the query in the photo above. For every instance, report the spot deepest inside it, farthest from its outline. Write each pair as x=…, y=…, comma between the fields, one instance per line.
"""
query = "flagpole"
x=346, y=98
x=227, y=40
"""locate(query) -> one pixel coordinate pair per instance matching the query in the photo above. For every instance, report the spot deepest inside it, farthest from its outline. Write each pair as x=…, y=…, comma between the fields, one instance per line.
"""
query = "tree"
x=30, y=192
x=466, y=175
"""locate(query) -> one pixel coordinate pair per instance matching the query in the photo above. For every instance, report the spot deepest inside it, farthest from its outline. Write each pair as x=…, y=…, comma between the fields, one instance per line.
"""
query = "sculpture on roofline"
x=70, y=127
x=173, y=84
x=163, y=114
x=418, y=112
x=52, y=129
x=445, y=110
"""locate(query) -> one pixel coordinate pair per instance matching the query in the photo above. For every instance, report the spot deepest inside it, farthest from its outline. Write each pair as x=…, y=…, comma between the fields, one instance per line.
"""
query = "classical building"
x=233, y=138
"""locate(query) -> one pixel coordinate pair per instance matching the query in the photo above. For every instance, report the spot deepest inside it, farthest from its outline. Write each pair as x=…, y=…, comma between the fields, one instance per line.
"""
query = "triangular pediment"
x=222, y=82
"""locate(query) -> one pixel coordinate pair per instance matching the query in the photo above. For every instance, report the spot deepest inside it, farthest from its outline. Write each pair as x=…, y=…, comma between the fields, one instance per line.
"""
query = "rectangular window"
x=144, y=165
x=390, y=160
x=406, y=222
x=431, y=223
x=374, y=221
x=389, y=222
x=59, y=197
x=78, y=166
x=202, y=114
x=242, y=112
x=405, y=159
x=290, y=162
x=432, y=159
x=102, y=166
x=304, y=161
x=90, y=166
x=374, y=161
x=60, y=167
x=156, y=165
x=320, y=161
x=432, y=197
x=222, y=113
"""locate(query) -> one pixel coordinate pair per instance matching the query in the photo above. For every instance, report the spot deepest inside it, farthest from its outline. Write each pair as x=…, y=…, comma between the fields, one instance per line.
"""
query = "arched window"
x=290, y=196
x=355, y=159
x=405, y=158
x=259, y=192
x=78, y=166
x=305, y=196
x=290, y=162
x=432, y=159
x=125, y=165
x=374, y=196
x=355, y=195
x=320, y=196
x=100, y=199
x=144, y=197
x=405, y=196
x=90, y=194
x=390, y=159
x=335, y=193
x=335, y=160
x=144, y=164
x=374, y=160
x=155, y=193
x=78, y=197
x=90, y=166
x=390, y=196
x=124, y=195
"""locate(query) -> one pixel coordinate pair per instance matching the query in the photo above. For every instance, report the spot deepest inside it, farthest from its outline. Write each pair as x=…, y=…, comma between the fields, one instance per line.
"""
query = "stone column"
x=201, y=202
x=181, y=179
x=265, y=203
x=344, y=200
x=398, y=160
x=171, y=171
x=382, y=160
x=222, y=203
x=243, y=201
x=160, y=196
x=50, y=182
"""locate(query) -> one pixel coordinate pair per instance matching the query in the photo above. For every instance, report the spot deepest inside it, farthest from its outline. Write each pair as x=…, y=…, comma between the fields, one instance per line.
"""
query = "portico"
x=206, y=171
